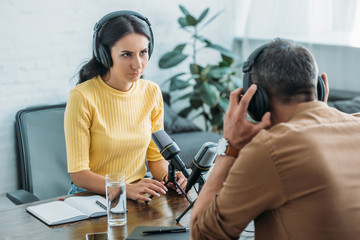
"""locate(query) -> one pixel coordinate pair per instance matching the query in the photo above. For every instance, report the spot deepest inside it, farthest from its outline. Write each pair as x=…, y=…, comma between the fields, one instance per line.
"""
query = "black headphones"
x=101, y=52
x=259, y=103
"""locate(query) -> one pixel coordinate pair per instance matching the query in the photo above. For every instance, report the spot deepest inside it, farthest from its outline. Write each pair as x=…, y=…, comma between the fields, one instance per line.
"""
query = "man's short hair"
x=287, y=71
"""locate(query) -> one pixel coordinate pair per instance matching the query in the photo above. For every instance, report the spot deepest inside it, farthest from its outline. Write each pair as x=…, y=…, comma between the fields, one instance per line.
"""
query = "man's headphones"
x=259, y=103
x=101, y=52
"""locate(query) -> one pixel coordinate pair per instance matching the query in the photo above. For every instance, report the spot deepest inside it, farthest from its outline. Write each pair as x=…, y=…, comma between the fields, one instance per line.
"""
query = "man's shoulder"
x=309, y=127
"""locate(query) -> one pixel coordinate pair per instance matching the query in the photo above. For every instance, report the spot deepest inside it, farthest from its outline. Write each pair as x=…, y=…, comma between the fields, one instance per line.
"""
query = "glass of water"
x=116, y=199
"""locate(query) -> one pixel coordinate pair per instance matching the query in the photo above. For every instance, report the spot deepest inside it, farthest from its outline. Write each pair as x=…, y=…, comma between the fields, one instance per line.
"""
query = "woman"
x=112, y=112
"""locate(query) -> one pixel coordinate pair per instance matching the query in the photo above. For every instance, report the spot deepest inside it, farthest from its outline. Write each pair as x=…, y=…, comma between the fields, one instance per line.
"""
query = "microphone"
x=201, y=163
x=169, y=150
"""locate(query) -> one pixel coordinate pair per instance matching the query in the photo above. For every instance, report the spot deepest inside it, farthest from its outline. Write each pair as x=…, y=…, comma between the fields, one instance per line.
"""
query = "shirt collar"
x=306, y=107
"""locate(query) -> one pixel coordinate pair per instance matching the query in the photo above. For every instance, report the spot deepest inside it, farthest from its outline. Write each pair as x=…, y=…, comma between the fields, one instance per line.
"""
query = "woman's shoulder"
x=149, y=86
x=86, y=91
x=85, y=88
x=87, y=85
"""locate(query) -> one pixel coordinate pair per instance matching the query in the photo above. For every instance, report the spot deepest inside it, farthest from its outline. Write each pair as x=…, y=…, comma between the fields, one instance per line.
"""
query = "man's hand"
x=237, y=129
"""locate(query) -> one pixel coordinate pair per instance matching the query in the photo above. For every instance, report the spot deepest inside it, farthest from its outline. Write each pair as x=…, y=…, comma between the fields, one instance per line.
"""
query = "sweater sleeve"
x=77, y=124
x=157, y=123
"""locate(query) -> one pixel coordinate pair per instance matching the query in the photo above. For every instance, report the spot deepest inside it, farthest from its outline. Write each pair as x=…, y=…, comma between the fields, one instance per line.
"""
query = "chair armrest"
x=21, y=196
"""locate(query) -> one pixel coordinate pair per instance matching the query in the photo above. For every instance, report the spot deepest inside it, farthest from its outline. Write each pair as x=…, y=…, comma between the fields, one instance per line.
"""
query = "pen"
x=101, y=205
x=166, y=230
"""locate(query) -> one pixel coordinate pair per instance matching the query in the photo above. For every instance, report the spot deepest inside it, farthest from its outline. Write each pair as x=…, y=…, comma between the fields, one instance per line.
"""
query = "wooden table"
x=17, y=223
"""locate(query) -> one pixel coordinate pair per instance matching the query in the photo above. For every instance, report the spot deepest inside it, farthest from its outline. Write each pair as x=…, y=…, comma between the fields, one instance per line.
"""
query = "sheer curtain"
x=335, y=22
x=329, y=28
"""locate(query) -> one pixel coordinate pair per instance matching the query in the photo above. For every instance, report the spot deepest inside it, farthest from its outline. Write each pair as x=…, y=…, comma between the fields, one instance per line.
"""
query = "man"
x=297, y=173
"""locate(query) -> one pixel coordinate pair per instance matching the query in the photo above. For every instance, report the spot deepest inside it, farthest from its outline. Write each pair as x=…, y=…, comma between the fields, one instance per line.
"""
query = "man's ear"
x=326, y=83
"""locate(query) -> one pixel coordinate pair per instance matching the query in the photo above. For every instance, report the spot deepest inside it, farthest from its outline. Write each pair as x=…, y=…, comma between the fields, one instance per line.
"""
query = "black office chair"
x=41, y=154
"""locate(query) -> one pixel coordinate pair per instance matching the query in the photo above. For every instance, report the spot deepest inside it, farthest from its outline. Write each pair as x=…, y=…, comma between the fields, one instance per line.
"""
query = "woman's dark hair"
x=108, y=35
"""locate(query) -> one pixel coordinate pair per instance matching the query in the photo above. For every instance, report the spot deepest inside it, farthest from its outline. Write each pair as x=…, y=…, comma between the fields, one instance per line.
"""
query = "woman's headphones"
x=259, y=103
x=101, y=52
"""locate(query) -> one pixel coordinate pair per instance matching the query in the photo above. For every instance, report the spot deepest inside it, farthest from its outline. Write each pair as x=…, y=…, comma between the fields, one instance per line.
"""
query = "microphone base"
x=201, y=182
x=184, y=212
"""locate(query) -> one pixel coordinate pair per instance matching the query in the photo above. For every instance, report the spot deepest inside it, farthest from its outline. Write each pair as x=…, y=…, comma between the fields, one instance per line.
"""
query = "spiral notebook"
x=69, y=210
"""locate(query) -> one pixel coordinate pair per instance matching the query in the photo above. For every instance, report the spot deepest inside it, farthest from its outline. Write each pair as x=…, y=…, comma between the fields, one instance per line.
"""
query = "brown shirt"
x=297, y=180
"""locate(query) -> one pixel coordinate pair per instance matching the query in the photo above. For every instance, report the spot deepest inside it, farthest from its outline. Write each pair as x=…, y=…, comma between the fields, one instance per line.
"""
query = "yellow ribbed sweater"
x=107, y=130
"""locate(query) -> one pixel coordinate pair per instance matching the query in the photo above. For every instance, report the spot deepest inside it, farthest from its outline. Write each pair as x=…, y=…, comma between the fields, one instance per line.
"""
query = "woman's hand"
x=137, y=191
x=181, y=180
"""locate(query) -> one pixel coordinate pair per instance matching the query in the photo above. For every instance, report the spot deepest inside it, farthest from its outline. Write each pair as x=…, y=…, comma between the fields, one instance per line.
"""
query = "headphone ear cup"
x=321, y=89
x=101, y=53
x=259, y=104
x=104, y=56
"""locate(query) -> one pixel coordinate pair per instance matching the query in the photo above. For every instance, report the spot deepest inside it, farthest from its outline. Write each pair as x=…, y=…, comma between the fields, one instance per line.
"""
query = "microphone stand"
x=172, y=179
x=201, y=182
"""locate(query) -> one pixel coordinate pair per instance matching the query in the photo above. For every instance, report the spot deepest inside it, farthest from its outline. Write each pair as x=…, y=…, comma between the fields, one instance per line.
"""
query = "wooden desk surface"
x=17, y=223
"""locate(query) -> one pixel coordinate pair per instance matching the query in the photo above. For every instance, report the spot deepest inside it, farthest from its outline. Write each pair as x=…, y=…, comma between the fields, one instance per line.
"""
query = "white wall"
x=42, y=44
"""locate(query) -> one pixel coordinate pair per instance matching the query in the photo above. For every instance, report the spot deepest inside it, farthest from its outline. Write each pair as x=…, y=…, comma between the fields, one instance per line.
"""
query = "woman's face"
x=130, y=57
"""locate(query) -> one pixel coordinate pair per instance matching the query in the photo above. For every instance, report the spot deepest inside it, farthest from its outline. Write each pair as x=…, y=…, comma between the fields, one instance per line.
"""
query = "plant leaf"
x=182, y=21
x=217, y=116
x=224, y=103
x=226, y=61
x=203, y=39
x=178, y=84
x=211, y=19
x=203, y=15
x=185, y=96
x=221, y=87
x=205, y=73
x=219, y=72
x=222, y=50
x=184, y=10
x=180, y=47
x=195, y=69
x=175, y=81
x=185, y=112
x=209, y=93
x=207, y=118
x=171, y=59
x=196, y=101
x=191, y=21
x=173, y=77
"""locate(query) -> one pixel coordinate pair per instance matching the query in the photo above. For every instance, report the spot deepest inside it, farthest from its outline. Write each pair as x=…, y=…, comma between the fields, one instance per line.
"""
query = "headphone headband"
x=115, y=14
x=249, y=64
x=100, y=52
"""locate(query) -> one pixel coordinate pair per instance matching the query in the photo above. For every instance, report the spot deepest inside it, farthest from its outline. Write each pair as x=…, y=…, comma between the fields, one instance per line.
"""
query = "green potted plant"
x=207, y=87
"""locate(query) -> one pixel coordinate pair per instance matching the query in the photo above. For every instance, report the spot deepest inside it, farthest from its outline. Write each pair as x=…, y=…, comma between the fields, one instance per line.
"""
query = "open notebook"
x=70, y=210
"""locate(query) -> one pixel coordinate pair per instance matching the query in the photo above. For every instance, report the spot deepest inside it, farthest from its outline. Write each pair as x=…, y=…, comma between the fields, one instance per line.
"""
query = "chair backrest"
x=42, y=151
